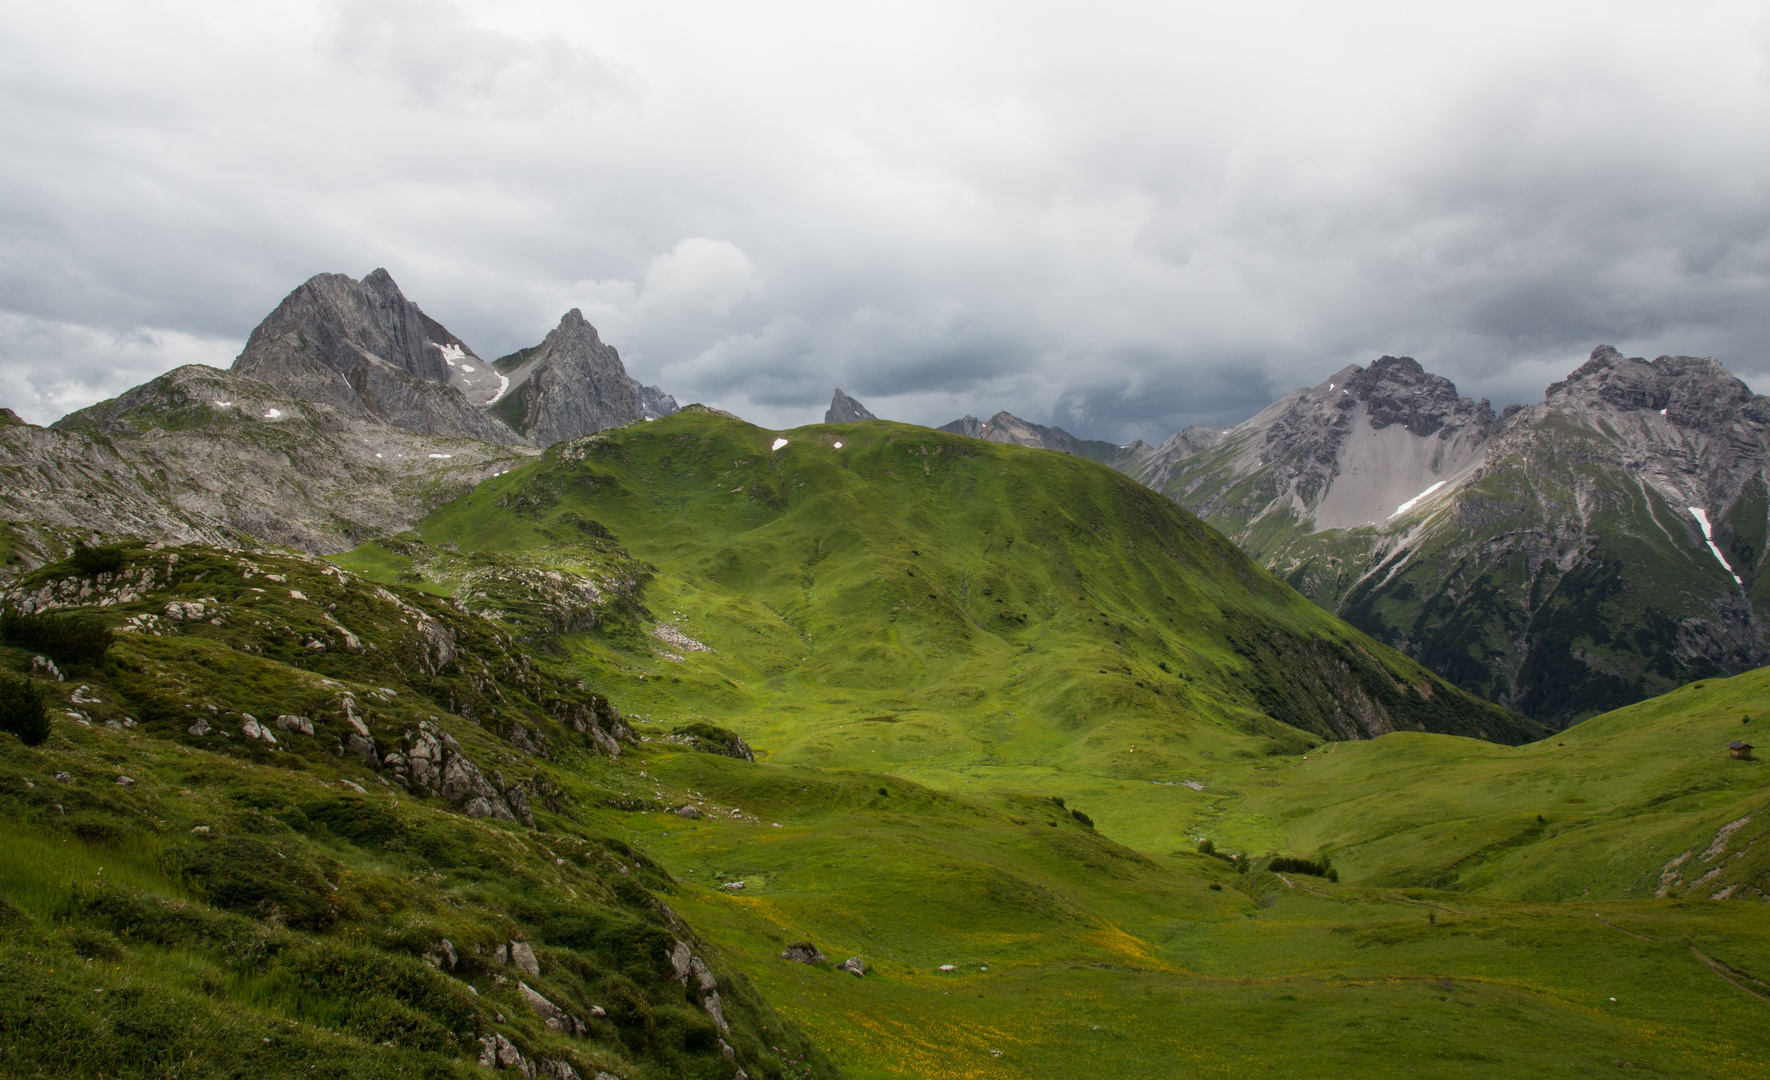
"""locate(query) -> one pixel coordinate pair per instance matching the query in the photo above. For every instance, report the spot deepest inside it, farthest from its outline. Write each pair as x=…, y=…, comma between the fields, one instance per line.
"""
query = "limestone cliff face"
x=364, y=349
x=569, y=386
x=1557, y=559
x=654, y=403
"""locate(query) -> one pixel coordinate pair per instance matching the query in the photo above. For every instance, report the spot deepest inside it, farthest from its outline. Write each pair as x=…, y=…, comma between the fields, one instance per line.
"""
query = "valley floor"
x=1075, y=956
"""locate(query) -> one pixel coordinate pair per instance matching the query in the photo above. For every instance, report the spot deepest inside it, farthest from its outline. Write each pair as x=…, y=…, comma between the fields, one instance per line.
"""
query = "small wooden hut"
x=1740, y=750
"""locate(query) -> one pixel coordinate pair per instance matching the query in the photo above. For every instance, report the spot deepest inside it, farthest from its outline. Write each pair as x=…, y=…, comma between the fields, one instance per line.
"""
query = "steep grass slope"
x=296, y=821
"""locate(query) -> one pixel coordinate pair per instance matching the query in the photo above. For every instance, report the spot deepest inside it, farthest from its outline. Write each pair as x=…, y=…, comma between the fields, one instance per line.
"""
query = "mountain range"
x=405, y=714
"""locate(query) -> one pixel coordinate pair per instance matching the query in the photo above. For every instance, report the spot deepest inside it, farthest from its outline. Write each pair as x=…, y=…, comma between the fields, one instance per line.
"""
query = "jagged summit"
x=570, y=385
x=846, y=410
x=363, y=348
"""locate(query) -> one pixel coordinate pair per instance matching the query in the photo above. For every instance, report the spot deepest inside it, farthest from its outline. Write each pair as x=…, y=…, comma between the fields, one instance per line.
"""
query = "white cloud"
x=49, y=368
x=1126, y=217
x=438, y=57
x=713, y=276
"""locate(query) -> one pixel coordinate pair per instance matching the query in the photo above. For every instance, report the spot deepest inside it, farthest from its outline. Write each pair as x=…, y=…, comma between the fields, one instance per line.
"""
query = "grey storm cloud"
x=1122, y=219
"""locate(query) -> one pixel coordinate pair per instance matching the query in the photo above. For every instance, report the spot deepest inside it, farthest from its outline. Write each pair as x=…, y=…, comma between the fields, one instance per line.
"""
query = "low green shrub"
x=22, y=711
x=63, y=637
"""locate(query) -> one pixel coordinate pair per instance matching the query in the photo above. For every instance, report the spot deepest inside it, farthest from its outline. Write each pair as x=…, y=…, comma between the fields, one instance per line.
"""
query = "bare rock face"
x=569, y=386
x=431, y=762
x=363, y=348
x=845, y=410
x=1341, y=454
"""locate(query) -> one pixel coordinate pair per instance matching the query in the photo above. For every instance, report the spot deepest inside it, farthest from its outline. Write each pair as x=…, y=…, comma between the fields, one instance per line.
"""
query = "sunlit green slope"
x=1639, y=802
x=1073, y=955
x=1067, y=610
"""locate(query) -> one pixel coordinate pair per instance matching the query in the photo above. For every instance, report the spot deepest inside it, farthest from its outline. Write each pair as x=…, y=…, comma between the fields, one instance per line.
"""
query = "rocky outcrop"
x=845, y=410
x=804, y=952
x=431, y=762
x=692, y=972
x=569, y=386
x=712, y=739
x=363, y=348
x=1004, y=427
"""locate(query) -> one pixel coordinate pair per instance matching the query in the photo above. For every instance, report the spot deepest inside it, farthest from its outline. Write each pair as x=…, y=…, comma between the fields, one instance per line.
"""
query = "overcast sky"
x=1122, y=218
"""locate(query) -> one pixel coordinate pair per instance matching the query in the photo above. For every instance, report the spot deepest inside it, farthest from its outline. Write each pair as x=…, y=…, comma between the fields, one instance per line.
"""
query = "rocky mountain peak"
x=570, y=385
x=1693, y=391
x=1397, y=390
x=363, y=348
x=846, y=410
x=573, y=323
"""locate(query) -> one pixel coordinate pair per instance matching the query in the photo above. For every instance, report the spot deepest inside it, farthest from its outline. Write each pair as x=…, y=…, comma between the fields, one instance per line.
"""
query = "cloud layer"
x=1124, y=219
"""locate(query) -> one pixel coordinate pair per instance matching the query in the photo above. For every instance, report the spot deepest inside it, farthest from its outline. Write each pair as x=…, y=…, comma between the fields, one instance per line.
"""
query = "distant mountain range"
x=1562, y=559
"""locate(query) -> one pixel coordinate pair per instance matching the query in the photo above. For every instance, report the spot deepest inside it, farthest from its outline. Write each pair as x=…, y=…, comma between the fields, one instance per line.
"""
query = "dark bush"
x=1207, y=847
x=1287, y=863
x=63, y=637
x=248, y=875
x=22, y=711
x=1083, y=818
x=92, y=561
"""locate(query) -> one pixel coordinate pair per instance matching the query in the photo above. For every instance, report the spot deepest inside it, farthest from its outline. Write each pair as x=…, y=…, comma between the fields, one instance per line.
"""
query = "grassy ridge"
x=936, y=605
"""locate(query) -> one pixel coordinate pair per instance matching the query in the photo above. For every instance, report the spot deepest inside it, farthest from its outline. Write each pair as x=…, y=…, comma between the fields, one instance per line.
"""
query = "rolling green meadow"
x=1089, y=793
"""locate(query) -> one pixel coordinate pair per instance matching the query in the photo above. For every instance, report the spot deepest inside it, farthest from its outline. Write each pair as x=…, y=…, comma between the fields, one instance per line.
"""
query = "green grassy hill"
x=1644, y=801
x=919, y=568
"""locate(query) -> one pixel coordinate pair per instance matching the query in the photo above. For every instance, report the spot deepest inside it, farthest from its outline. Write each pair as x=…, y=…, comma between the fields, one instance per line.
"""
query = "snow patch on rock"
x=1702, y=518
x=1410, y=504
